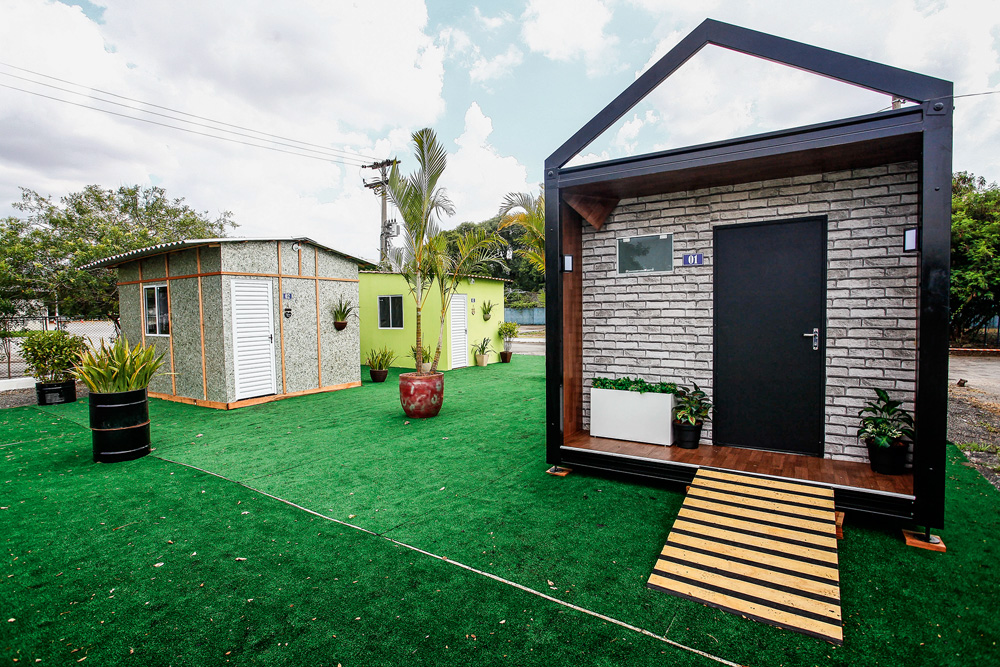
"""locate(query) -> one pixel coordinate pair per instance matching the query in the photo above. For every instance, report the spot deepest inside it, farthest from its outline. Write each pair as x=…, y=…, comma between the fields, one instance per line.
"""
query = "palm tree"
x=420, y=203
x=523, y=210
x=475, y=251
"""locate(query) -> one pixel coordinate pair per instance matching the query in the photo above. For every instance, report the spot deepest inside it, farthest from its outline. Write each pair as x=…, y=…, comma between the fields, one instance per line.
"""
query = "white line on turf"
x=456, y=563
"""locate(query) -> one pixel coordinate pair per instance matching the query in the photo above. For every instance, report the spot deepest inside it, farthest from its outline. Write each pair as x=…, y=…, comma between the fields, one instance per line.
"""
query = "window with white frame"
x=390, y=311
x=157, y=310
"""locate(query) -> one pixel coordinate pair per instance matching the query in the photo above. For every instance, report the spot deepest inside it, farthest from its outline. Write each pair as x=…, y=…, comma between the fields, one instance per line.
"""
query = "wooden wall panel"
x=572, y=333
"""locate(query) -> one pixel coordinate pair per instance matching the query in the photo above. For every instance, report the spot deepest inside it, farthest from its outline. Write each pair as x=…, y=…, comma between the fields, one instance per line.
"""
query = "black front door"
x=770, y=289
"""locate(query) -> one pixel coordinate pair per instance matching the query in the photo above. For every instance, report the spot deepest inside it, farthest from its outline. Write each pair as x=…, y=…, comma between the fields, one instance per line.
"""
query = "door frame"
x=270, y=323
x=821, y=389
x=451, y=330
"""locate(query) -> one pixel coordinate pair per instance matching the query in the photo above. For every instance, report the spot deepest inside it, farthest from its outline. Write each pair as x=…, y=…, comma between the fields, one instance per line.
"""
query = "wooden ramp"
x=758, y=547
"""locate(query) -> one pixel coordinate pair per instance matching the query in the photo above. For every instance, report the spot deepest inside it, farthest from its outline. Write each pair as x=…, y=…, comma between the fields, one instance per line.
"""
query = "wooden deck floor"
x=807, y=468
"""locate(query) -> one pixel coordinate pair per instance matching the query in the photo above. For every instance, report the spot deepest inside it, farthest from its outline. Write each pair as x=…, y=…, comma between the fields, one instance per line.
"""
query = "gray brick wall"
x=660, y=327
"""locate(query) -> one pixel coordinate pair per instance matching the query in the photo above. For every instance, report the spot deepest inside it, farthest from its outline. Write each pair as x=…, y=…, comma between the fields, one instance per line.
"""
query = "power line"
x=349, y=154
x=182, y=129
x=163, y=115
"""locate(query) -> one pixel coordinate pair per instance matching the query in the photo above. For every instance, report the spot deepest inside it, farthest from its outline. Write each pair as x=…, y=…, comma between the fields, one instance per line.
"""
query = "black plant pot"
x=378, y=375
x=887, y=460
x=54, y=393
x=687, y=436
x=505, y=357
x=119, y=424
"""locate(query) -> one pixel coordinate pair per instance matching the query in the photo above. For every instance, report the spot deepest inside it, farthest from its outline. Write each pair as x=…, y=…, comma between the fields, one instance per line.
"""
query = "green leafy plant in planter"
x=50, y=356
x=118, y=376
x=693, y=407
x=425, y=356
x=488, y=307
x=637, y=384
x=508, y=332
x=884, y=425
x=481, y=351
x=378, y=362
x=341, y=311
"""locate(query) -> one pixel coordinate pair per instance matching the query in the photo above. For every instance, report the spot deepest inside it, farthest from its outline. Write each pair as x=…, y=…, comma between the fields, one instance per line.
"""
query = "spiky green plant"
x=117, y=367
x=380, y=360
x=342, y=310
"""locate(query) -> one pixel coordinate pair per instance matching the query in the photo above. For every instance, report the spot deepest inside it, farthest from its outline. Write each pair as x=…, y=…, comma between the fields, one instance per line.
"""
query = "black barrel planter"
x=54, y=393
x=119, y=423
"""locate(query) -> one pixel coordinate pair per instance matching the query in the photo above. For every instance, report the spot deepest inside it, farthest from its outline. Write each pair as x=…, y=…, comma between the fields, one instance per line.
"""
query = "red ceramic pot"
x=421, y=395
x=340, y=325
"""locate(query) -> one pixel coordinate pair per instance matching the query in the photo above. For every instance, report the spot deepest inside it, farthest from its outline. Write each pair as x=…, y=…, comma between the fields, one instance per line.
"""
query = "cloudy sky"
x=338, y=83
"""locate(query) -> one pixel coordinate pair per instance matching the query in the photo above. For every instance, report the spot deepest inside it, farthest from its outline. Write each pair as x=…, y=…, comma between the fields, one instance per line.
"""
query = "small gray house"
x=789, y=274
x=241, y=321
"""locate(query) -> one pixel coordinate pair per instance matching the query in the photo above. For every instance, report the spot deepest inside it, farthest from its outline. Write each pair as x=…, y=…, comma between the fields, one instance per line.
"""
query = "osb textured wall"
x=660, y=327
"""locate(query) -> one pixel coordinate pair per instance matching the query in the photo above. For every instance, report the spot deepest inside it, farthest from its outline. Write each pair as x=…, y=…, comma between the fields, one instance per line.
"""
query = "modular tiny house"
x=778, y=271
x=388, y=318
x=241, y=321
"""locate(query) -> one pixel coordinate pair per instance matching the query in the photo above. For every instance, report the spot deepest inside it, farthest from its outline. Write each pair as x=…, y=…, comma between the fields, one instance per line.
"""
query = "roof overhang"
x=853, y=143
x=176, y=246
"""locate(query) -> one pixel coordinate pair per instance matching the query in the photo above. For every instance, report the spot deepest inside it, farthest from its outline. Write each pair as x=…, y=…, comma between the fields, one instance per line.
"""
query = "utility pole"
x=378, y=185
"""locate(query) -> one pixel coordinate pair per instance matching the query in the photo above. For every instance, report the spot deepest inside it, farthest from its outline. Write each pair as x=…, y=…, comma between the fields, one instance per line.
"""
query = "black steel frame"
x=928, y=124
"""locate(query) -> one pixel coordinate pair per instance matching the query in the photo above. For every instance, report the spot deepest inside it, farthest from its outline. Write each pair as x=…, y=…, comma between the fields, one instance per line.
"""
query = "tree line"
x=46, y=245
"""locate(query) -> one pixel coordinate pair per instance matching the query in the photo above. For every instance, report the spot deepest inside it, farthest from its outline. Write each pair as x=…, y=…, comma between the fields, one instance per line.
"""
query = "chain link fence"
x=13, y=329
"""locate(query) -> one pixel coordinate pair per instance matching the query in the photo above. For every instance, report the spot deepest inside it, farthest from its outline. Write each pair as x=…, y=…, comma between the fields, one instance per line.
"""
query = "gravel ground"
x=974, y=425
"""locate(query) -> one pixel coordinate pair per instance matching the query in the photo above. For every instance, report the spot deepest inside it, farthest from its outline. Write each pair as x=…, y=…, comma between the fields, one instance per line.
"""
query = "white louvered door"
x=459, y=331
x=253, y=338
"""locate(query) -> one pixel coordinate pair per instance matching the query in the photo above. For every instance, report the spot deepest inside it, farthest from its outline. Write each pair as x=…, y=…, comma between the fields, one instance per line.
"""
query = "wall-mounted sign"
x=693, y=259
x=286, y=296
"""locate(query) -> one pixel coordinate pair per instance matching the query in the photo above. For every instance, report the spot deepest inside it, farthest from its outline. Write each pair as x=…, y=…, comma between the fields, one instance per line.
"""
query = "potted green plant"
x=693, y=406
x=425, y=357
x=378, y=362
x=884, y=425
x=481, y=351
x=118, y=377
x=488, y=310
x=508, y=331
x=341, y=311
x=50, y=356
x=632, y=409
x=423, y=259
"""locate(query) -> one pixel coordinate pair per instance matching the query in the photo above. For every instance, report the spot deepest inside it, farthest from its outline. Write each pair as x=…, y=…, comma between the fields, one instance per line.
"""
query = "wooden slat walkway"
x=762, y=548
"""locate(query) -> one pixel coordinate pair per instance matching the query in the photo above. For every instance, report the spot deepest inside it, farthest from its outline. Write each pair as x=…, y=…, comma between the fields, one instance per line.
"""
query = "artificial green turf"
x=468, y=485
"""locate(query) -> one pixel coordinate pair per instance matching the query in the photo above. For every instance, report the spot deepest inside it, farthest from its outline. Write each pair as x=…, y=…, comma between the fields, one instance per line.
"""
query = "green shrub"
x=50, y=355
x=508, y=330
x=638, y=384
x=117, y=368
x=693, y=406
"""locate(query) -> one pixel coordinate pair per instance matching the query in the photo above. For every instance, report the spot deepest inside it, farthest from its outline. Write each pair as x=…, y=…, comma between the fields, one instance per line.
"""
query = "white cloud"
x=485, y=69
x=568, y=30
x=478, y=177
x=316, y=74
x=492, y=22
x=720, y=94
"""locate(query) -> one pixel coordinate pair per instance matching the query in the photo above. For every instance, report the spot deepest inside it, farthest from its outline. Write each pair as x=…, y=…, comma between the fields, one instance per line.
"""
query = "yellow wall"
x=373, y=285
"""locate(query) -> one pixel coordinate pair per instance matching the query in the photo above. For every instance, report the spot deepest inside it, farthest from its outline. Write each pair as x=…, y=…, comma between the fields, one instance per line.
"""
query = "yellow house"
x=388, y=312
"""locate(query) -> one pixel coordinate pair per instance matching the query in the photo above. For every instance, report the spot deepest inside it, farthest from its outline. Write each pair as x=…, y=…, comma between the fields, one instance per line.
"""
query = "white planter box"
x=629, y=415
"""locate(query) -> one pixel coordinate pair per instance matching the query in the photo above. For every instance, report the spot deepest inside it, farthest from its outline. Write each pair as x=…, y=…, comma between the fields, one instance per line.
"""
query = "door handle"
x=815, y=336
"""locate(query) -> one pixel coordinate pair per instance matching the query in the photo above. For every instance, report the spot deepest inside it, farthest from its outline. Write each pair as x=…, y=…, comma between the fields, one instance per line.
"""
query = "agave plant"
x=380, y=360
x=117, y=367
x=482, y=348
x=342, y=310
